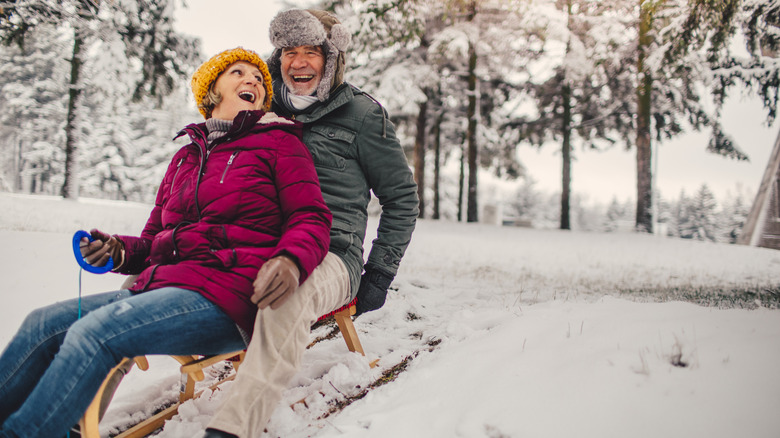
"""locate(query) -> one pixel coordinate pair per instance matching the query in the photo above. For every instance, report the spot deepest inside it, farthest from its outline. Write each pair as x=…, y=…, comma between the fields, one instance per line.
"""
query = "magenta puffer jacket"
x=221, y=212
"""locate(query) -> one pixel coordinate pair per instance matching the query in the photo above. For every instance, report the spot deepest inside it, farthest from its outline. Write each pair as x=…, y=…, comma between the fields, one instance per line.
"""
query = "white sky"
x=229, y=23
x=683, y=163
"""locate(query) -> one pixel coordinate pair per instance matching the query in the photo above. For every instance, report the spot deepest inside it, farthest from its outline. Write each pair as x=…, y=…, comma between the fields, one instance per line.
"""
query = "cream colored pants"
x=280, y=337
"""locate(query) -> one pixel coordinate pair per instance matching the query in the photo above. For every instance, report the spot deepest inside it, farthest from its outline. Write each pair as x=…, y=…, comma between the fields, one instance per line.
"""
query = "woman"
x=240, y=204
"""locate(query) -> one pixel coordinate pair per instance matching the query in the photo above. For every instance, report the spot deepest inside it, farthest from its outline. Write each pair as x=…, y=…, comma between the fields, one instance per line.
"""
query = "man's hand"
x=276, y=281
x=372, y=291
x=97, y=252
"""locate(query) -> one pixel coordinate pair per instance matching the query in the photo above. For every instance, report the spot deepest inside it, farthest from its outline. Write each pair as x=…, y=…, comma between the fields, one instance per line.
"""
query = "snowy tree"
x=108, y=151
x=33, y=98
x=697, y=216
x=582, y=98
x=166, y=57
x=735, y=211
x=755, y=66
x=145, y=29
x=680, y=213
x=526, y=201
x=617, y=215
x=390, y=60
x=433, y=63
x=685, y=47
x=666, y=220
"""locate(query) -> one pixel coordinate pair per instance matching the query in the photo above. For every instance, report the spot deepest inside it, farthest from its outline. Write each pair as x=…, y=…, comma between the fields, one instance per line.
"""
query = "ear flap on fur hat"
x=296, y=27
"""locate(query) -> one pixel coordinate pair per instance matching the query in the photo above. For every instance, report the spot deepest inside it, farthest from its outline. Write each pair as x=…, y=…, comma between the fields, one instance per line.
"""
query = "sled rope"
x=81, y=270
x=79, y=316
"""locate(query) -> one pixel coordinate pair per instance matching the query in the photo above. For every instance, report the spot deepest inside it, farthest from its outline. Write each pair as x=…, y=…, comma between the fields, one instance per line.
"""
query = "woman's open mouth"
x=247, y=96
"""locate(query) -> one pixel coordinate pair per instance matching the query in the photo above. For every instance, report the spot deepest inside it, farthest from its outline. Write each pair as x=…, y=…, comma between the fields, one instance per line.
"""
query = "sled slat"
x=191, y=372
x=156, y=421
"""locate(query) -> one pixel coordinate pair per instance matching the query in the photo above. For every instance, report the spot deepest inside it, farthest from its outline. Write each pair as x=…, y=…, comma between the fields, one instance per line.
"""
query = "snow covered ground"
x=511, y=332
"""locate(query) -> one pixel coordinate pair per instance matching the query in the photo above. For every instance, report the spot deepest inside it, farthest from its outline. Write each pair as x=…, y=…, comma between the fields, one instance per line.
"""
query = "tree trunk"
x=419, y=155
x=566, y=146
x=436, y=166
x=472, y=212
x=471, y=136
x=461, y=183
x=566, y=156
x=644, y=177
x=18, y=168
x=70, y=185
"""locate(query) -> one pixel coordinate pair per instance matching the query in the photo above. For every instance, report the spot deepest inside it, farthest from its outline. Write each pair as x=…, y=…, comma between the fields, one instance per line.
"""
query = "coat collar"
x=242, y=123
x=339, y=97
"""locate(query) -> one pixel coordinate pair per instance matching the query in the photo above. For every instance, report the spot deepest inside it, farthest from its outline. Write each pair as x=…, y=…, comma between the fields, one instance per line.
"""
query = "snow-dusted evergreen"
x=32, y=95
x=122, y=61
x=570, y=74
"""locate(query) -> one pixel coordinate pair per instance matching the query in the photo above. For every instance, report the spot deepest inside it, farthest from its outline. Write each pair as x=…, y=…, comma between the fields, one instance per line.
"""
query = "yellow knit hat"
x=211, y=69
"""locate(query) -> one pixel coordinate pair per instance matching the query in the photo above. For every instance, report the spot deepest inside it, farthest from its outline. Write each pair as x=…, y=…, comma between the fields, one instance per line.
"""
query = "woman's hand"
x=276, y=281
x=97, y=252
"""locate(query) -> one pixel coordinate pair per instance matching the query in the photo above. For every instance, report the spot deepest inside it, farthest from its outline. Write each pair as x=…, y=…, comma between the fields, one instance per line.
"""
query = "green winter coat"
x=356, y=152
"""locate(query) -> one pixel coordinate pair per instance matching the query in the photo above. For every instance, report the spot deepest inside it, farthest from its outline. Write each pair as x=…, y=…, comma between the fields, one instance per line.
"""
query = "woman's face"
x=241, y=87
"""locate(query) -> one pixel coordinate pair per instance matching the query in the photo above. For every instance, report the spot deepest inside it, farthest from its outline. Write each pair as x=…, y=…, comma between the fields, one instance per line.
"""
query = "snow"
x=511, y=332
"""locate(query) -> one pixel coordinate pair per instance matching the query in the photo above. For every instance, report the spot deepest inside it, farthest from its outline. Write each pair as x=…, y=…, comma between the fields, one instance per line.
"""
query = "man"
x=355, y=153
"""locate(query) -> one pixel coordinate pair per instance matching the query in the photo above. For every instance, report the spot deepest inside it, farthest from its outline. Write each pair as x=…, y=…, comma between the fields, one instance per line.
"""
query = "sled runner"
x=191, y=372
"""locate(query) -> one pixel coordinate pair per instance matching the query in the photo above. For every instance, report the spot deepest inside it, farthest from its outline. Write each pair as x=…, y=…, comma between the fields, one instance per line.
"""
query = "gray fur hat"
x=298, y=27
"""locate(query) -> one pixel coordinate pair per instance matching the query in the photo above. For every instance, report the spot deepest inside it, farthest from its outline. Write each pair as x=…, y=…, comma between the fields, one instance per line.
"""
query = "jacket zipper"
x=230, y=161
x=178, y=166
x=201, y=169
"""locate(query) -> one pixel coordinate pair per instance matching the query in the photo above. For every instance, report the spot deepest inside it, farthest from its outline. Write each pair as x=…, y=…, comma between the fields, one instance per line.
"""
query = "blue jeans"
x=54, y=365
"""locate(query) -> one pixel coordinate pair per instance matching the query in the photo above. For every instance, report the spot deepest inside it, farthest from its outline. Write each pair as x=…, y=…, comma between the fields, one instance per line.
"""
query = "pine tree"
x=407, y=25
x=698, y=216
x=525, y=204
x=447, y=48
x=757, y=69
x=735, y=211
x=584, y=100
x=108, y=149
x=145, y=27
x=615, y=214
x=683, y=217
x=688, y=45
x=32, y=96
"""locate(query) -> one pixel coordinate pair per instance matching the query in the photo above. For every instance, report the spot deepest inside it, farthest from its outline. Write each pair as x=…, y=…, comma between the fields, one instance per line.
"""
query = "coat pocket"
x=330, y=146
x=341, y=235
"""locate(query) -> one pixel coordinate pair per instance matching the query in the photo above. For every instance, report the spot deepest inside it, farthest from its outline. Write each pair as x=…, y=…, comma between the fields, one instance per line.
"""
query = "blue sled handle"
x=80, y=234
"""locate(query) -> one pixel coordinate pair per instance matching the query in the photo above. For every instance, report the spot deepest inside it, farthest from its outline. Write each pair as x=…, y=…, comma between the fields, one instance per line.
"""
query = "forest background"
x=93, y=91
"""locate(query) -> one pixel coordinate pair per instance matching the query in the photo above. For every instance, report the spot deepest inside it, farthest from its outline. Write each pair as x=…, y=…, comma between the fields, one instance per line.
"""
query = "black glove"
x=372, y=291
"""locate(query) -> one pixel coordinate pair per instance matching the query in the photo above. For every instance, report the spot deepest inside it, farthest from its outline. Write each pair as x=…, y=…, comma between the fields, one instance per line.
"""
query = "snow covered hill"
x=505, y=332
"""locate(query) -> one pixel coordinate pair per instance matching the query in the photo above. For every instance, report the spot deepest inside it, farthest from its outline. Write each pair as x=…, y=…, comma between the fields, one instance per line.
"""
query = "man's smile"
x=302, y=78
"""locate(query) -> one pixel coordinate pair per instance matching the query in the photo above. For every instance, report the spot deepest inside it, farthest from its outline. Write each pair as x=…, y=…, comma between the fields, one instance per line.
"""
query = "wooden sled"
x=191, y=373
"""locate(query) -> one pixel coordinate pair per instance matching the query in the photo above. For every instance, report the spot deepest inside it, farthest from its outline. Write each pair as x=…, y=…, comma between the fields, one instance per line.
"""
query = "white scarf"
x=296, y=103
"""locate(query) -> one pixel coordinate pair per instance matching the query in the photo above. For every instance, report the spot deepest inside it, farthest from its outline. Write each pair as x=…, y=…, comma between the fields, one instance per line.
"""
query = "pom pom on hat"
x=210, y=70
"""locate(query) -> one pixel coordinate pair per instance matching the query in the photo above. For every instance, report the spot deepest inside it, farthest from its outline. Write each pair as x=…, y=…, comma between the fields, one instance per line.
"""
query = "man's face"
x=302, y=69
